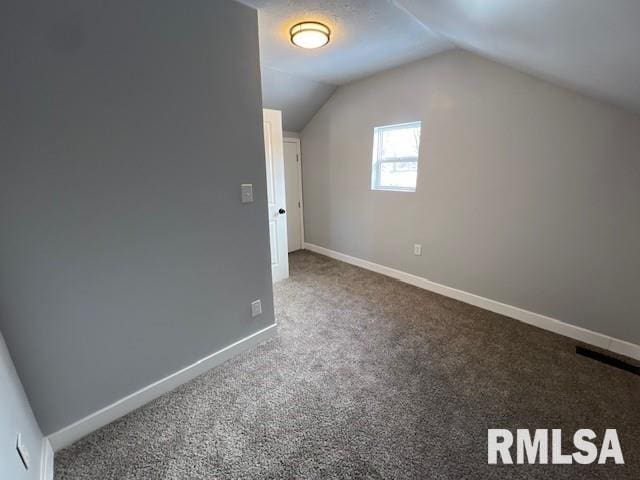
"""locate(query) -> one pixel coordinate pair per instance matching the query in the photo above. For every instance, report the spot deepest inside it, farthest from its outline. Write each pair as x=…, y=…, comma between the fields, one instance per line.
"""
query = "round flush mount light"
x=310, y=34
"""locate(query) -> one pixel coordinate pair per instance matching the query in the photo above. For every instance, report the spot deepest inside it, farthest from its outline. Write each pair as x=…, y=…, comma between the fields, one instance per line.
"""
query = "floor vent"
x=614, y=362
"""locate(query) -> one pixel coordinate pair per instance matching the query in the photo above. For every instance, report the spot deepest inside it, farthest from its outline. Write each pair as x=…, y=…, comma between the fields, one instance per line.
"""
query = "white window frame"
x=376, y=163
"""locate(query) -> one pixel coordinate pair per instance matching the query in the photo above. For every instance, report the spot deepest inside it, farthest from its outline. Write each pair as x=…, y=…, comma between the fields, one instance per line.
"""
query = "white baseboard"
x=70, y=434
x=547, y=323
x=46, y=460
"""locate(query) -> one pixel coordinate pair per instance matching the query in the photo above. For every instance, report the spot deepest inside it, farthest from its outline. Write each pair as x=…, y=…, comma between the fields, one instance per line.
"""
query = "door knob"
x=282, y=211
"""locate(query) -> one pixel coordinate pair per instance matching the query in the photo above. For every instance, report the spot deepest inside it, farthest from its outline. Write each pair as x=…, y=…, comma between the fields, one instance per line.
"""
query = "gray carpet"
x=369, y=378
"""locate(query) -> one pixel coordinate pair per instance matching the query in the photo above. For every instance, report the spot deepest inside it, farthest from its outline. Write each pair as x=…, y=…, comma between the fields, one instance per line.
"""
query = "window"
x=395, y=157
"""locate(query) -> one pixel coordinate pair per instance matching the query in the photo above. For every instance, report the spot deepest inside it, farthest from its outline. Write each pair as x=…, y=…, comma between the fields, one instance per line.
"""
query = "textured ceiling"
x=590, y=45
x=367, y=36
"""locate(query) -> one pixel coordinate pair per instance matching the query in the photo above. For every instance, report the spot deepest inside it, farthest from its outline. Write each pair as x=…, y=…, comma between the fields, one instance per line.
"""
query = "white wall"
x=126, y=253
x=527, y=193
x=16, y=417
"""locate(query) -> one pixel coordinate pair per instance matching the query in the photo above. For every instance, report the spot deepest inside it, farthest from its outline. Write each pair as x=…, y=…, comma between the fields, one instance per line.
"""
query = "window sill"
x=393, y=189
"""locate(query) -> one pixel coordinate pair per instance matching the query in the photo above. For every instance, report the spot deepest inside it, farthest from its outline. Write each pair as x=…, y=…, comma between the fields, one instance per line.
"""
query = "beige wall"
x=527, y=193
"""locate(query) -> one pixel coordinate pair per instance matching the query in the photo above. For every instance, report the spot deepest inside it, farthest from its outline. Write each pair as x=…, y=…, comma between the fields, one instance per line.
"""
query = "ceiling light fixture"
x=310, y=34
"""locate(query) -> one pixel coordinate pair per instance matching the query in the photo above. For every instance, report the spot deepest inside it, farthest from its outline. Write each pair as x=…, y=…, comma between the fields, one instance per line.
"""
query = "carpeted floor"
x=370, y=378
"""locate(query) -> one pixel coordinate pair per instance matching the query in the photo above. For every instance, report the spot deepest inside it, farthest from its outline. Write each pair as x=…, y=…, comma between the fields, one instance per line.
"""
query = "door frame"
x=299, y=165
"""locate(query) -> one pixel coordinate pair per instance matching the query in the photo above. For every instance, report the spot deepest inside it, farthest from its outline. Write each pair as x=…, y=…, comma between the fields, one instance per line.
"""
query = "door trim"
x=300, y=187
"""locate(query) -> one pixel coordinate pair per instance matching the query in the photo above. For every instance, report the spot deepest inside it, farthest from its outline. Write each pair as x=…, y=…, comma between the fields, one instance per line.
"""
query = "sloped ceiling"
x=299, y=98
x=589, y=45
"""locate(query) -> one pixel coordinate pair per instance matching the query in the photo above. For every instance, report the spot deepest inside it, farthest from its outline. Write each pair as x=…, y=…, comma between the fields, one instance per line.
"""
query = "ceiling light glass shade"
x=310, y=35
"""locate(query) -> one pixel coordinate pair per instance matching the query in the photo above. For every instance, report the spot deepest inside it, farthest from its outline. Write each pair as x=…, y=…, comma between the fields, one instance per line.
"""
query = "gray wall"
x=126, y=129
x=527, y=193
x=16, y=417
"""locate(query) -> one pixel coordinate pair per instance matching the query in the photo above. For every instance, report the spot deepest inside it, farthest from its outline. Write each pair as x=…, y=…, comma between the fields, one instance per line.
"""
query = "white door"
x=276, y=197
x=293, y=179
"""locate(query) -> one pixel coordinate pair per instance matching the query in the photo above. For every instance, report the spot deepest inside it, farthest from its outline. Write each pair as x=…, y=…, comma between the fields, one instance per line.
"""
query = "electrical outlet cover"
x=246, y=189
x=256, y=308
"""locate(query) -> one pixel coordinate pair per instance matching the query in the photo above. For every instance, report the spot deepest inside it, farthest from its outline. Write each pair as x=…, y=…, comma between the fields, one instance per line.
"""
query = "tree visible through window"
x=395, y=157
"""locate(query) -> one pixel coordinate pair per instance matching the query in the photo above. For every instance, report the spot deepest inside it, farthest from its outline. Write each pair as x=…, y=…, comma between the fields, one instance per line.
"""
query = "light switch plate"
x=22, y=452
x=256, y=308
x=417, y=249
x=246, y=189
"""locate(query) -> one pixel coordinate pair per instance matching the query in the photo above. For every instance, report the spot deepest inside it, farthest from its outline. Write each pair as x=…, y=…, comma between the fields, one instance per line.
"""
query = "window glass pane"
x=395, y=157
x=400, y=142
x=401, y=174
